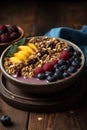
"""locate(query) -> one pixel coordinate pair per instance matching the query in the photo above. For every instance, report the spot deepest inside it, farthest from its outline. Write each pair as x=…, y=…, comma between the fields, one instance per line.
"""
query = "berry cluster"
x=69, y=61
x=8, y=33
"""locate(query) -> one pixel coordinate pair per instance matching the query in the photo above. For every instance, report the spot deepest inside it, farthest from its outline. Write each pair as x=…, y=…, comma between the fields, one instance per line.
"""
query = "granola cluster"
x=48, y=49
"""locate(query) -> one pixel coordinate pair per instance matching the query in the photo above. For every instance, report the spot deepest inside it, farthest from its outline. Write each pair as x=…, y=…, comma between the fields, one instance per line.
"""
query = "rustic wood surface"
x=36, y=18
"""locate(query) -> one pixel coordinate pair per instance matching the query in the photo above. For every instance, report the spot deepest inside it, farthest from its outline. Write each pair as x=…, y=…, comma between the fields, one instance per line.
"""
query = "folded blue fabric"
x=79, y=37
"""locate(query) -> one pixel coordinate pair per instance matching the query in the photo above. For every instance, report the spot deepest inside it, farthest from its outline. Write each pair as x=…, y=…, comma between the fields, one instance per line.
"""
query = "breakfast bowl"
x=42, y=65
x=9, y=34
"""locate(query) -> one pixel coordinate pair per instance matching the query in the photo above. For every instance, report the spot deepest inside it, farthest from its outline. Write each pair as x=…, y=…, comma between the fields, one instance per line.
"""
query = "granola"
x=48, y=49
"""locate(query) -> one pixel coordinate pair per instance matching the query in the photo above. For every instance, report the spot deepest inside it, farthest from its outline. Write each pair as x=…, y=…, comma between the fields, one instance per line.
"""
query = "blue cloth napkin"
x=79, y=37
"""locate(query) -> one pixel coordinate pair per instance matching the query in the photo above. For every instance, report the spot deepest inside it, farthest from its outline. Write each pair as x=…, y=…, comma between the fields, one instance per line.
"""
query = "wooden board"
x=18, y=117
x=55, y=102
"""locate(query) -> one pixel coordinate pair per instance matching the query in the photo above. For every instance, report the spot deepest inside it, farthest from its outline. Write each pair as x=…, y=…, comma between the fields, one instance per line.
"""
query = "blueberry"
x=76, y=63
x=70, y=49
x=63, y=68
x=72, y=58
x=48, y=74
x=61, y=62
x=70, y=54
x=77, y=59
x=66, y=74
x=51, y=78
x=57, y=69
x=77, y=53
x=71, y=69
x=41, y=76
x=6, y=120
x=58, y=74
x=56, y=66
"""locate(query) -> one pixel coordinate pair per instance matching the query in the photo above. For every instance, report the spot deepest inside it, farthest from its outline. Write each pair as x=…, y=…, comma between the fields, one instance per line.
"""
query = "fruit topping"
x=51, y=78
x=15, y=60
x=58, y=74
x=76, y=63
x=77, y=53
x=38, y=70
x=47, y=73
x=41, y=76
x=71, y=69
x=32, y=46
x=45, y=58
x=64, y=55
x=61, y=62
x=20, y=56
x=23, y=53
x=48, y=66
x=54, y=62
x=26, y=49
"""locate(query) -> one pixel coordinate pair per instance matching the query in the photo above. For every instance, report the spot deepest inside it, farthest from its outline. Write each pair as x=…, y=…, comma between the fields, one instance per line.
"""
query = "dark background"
x=37, y=17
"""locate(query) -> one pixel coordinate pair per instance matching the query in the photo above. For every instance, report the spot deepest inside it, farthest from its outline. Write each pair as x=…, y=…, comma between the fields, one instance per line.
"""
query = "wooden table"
x=36, y=18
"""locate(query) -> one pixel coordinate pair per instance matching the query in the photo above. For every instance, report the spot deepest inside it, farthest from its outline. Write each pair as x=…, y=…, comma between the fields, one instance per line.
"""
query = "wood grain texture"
x=18, y=117
x=71, y=120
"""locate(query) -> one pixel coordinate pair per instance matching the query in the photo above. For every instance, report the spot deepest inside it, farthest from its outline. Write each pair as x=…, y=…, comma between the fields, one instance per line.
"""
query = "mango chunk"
x=19, y=56
x=32, y=46
x=26, y=49
x=15, y=60
x=23, y=53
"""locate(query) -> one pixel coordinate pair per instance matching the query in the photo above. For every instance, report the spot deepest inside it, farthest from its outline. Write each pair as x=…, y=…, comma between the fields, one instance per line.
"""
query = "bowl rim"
x=22, y=34
x=59, y=82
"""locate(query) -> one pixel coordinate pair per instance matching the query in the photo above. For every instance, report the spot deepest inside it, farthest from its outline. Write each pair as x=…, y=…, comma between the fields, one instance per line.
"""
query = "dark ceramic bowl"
x=3, y=46
x=44, y=87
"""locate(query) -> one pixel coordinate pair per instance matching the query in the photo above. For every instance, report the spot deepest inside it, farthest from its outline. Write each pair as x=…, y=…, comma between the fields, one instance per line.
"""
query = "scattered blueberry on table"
x=6, y=120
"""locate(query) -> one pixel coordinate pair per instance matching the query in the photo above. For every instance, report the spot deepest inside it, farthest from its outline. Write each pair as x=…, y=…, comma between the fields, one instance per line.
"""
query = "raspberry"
x=54, y=62
x=38, y=70
x=14, y=35
x=48, y=66
x=5, y=38
x=64, y=55
x=12, y=28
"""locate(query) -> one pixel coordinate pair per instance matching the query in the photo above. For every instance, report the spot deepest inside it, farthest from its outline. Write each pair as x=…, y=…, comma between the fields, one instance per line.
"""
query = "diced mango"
x=24, y=53
x=26, y=49
x=15, y=60
x=32, y=46
x=19, y=56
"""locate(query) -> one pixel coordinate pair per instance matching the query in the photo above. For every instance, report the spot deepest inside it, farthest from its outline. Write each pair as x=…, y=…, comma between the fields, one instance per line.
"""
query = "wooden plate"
x=60, y=101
